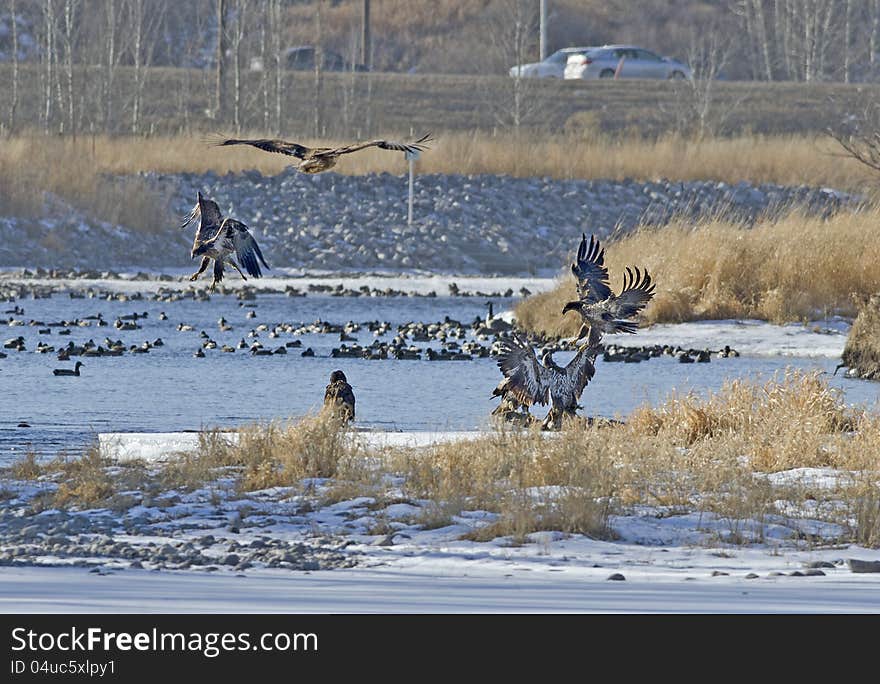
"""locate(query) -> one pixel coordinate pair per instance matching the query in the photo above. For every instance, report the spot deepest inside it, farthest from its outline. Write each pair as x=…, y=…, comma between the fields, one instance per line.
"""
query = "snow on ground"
x=441, y=587
x=824, y=338
x=413, y=283
x=287, y=549
x=158, y=446
x=555, y=573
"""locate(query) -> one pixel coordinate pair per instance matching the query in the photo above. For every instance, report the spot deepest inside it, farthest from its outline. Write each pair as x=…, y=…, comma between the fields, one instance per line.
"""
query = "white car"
x=623, y=61
x=552, y=67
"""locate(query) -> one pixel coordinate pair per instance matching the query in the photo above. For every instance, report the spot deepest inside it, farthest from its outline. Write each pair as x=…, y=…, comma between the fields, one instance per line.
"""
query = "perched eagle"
x=598, y=306
x=530, y=382
x=339, y=396
x=219, y=239
x=318, y=159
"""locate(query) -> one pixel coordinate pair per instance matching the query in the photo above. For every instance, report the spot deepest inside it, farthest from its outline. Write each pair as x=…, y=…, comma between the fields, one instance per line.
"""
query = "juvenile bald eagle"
x=598, y=306
x=318, y=159
x=219, y=238
x=339, y=396
x=530, y=382
x=510, y=408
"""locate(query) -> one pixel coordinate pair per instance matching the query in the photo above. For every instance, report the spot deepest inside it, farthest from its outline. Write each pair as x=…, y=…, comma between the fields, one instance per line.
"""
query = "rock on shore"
x=462, y=224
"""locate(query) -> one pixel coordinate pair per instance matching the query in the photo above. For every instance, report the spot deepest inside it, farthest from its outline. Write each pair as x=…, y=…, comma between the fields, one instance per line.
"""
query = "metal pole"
x=542, y=30
x=412, y=162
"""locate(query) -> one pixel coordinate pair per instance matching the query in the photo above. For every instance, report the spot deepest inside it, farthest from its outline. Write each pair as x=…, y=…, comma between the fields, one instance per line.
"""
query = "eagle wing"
x=279, y=146
x=580, y=370
x=529, y=381
x=246, y=248
x=411, y=147
x=637, y=291
x=210, y=220
x=590, y=271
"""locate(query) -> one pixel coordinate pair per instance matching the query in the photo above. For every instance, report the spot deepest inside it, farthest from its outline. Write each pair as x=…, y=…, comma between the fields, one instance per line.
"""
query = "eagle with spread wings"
x=598, y=306
x=222, y=240
x=529, y=382
x=318, y=159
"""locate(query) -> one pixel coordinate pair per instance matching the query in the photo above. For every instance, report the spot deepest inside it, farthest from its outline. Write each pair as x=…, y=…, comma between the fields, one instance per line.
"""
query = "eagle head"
x=571, y=306
x=338, y=376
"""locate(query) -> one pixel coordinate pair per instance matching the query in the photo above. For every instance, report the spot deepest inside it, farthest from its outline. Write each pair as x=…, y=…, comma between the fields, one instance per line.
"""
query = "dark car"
x=303, y=57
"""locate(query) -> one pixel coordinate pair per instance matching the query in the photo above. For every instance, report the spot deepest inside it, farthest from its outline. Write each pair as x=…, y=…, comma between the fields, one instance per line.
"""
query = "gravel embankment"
x=462, y=224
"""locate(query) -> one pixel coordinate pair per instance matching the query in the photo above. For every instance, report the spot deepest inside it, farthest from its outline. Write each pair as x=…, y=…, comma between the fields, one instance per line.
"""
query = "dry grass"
x=707, y=455
x=67, y=165
x=85, y=482
x=787, y=269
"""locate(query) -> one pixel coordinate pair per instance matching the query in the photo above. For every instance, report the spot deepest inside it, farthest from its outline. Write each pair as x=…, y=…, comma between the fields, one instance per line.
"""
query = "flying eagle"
x=530, y=382
x=318, y=159
x=339, y=396
x=598, y=306
x=219, y=239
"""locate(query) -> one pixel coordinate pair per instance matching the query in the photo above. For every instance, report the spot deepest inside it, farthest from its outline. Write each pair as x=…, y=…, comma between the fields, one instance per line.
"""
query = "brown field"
x=789, y=269
x=686, y=455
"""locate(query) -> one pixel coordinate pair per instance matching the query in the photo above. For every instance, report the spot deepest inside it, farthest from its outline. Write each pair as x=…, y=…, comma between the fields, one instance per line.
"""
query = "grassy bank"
x=85, y=171
x=793, y=268
x=688, y=455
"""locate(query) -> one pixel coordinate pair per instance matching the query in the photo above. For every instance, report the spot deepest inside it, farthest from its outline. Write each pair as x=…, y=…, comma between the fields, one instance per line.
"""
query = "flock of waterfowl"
x=226, y=241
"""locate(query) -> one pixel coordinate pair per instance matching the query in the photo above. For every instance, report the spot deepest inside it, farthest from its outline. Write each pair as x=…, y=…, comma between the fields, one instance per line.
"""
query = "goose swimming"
x=67, y=371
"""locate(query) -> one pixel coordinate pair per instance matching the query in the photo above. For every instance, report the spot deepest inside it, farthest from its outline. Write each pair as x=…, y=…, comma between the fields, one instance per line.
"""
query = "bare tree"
x=874, y=20
x=220, y=85
x=70, y=8
x=111, y=53
x=512, y=35
x=264, y=63
x=366, y=37
x=698, y=112
x=241, y=14
x=319, y=68
x=275, y=24
x=13, y=104
x=49, y=57
x=858, y=135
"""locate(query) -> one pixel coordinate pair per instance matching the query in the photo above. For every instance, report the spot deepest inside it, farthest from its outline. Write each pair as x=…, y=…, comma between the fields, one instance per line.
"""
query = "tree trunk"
x=13, y=105
x=69, y=8
x=264, y=63
x=109, y=72
x=137, y=10
x=872, y=38
x=49, y=17
x=319, y=68
x=237, y=37
x=220, y=88
x=366, y=38
x=275, y=9
x=763, y=42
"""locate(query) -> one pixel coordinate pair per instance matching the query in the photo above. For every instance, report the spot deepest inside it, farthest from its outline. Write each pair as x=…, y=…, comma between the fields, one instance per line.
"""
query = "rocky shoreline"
x=484, y=224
